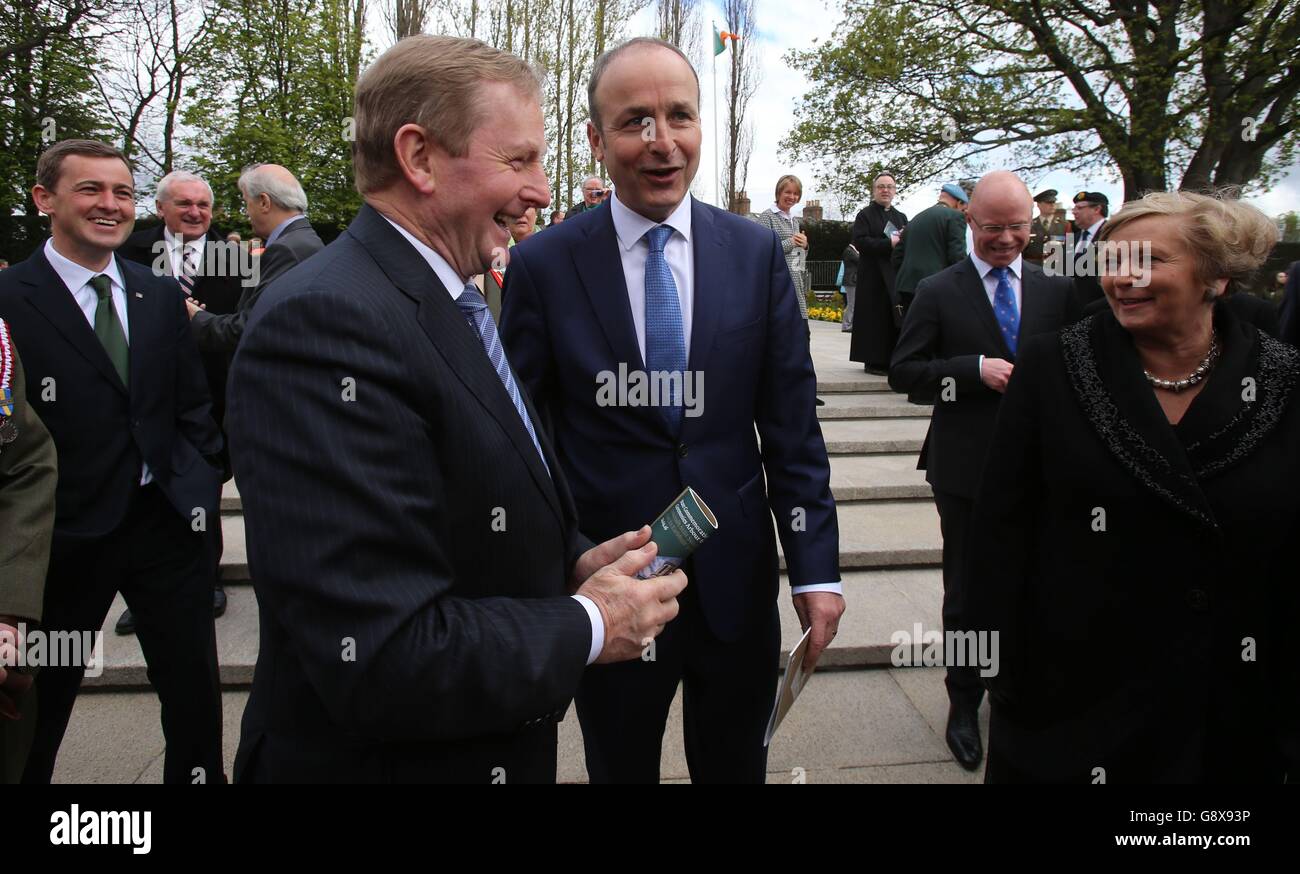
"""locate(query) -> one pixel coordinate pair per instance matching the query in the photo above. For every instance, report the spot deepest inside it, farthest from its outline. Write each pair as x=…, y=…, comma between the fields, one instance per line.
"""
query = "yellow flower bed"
x=826, y=314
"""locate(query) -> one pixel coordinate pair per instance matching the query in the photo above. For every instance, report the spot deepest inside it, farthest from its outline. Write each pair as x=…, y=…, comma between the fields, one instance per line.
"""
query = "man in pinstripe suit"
x=428, y=606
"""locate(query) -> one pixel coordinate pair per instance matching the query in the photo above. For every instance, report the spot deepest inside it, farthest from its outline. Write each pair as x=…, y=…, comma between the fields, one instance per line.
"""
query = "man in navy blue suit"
x=427, y=604
x=661, y=289
x=115, y=376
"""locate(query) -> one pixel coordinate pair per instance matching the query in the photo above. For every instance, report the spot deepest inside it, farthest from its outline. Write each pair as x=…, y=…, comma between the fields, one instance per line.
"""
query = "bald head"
x=272, y=195
x=999, y=214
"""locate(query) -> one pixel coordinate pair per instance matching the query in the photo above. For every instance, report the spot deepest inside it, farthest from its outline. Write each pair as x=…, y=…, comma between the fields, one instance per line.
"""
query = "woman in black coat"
x=1133, y=543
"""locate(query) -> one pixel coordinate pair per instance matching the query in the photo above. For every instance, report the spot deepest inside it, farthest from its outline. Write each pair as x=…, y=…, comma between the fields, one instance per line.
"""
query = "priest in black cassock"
x=877, y=311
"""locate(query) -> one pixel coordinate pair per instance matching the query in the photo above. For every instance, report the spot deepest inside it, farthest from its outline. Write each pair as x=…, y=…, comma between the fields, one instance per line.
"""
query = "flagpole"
x=717, y=166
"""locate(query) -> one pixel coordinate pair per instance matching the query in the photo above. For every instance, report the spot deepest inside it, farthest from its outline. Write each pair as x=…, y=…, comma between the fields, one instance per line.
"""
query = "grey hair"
x=286, y=194
x=603, y=62
x=165, y=184
x=589, y=178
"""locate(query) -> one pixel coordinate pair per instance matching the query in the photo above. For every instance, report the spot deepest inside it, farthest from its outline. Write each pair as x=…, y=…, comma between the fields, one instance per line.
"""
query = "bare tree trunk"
x=742, y=83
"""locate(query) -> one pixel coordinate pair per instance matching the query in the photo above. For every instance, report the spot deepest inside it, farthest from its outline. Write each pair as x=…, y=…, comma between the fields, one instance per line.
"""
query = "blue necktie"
x=475, y=310
x=1004, y=307
x=665, y=343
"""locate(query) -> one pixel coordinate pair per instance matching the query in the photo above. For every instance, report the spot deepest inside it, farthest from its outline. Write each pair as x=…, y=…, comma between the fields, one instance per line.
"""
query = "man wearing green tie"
x=113, y=372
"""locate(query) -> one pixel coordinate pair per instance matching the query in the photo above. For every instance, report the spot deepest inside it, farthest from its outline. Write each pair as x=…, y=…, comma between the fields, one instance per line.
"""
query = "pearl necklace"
x=1202, y=370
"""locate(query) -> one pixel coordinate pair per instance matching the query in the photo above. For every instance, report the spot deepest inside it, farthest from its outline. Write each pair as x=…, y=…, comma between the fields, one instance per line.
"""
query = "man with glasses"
x=877, y=310
x=959, y=343
x=594, y=193
x=1090, y=211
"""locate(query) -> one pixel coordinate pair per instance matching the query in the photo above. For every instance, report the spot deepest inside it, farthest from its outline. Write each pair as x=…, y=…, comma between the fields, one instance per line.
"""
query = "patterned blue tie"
x=1004, y=307
x=665, y=343
x=475, y=310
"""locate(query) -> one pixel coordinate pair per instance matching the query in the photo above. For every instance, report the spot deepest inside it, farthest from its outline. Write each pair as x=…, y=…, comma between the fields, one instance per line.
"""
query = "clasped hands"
x=635, y=611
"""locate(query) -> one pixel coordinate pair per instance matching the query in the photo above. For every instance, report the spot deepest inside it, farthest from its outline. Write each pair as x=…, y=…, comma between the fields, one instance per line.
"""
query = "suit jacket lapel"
x=979, y=299
x=600, y=269
x=139, y=316
x=1033, y=303
x=52, y=299
x=455, y=341
x=708, y=242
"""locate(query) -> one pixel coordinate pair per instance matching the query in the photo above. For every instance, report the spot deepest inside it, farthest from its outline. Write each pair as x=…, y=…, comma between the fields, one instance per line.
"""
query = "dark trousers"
x=157, y=562
x=964, y=686
x=727, y=694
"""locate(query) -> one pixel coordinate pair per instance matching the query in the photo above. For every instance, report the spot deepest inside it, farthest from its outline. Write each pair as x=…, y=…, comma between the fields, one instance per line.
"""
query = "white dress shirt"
x=193, y=250
x=77, y=279
x=633, y=249
x=1092, y=232
x=455, y=284
x=990, y=281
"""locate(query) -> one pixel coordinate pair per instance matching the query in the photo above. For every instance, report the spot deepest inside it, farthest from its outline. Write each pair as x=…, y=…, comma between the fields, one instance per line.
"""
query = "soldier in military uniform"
x=1047, y=228
x=28, y=474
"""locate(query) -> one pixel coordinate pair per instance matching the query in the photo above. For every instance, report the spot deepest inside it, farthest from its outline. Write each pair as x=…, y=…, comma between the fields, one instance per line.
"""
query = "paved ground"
x=864, y=721
x=860, y=726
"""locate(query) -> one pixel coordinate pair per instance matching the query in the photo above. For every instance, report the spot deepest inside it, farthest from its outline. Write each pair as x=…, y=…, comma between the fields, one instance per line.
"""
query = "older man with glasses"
x=959, y=344
x=594, y=193
x=878, y=311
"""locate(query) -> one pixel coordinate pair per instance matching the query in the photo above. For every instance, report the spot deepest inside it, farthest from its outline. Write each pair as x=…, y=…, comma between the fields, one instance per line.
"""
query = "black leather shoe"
x=218, y=601
x=820, y=402
x=963, y=736
x=876, y=371
x=125, y=623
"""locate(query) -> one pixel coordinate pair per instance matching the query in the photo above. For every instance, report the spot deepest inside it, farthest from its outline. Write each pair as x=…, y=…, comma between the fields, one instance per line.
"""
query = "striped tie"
x=475, y=310
x=188, y=271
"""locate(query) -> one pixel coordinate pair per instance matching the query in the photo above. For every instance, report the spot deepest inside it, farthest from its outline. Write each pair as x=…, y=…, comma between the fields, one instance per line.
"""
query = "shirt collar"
x=631, y=226
x=1092, y=231
x=76, y=277
x=776, y=208
x=279, y=229
x=174, y=241
x=984, y=267
x=446, y=273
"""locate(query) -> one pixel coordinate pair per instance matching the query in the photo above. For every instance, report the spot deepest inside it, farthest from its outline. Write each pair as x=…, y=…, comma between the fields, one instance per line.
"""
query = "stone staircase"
x=890, y=546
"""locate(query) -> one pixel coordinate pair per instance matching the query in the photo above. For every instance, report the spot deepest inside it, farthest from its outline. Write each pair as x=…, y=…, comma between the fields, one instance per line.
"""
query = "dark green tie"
x=108, y=328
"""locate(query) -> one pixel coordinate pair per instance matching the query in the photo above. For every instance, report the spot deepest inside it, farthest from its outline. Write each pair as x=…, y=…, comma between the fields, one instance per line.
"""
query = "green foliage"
x=45, y=95
x=827, y=240
x=941, y=88
x=277, y=88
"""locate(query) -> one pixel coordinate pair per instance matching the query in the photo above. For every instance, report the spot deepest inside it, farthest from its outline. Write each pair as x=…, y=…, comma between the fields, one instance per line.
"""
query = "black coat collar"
x=1224, y=424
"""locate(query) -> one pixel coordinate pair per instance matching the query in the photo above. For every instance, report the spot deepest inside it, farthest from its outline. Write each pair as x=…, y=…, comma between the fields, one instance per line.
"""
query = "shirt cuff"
x=597, y=626
x=980, y=370
x=835, y=588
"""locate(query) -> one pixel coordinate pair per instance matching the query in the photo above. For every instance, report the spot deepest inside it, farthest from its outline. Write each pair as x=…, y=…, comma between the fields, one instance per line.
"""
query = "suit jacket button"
x=681, y=450
x=1199, y=599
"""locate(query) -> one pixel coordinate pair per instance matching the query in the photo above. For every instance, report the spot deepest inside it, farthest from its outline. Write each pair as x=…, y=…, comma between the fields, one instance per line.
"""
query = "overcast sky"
x=786, y=24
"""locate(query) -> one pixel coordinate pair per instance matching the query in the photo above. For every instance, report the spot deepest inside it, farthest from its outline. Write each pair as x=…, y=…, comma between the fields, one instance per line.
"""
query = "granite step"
x=873, y=534
x=870, y=406
x=879, y=603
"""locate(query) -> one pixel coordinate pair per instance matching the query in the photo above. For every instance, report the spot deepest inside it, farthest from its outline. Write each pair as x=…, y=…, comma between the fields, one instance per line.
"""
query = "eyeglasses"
x=998, y=229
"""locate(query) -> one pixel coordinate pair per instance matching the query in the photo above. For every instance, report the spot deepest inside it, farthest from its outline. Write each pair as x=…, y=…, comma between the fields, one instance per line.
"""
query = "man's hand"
x=606, y=553
x=821, y=611
x=192, y=306
x=800, y=239
x=894, y=238
x=635, y=611
x=995, y=372
x=12, y=683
